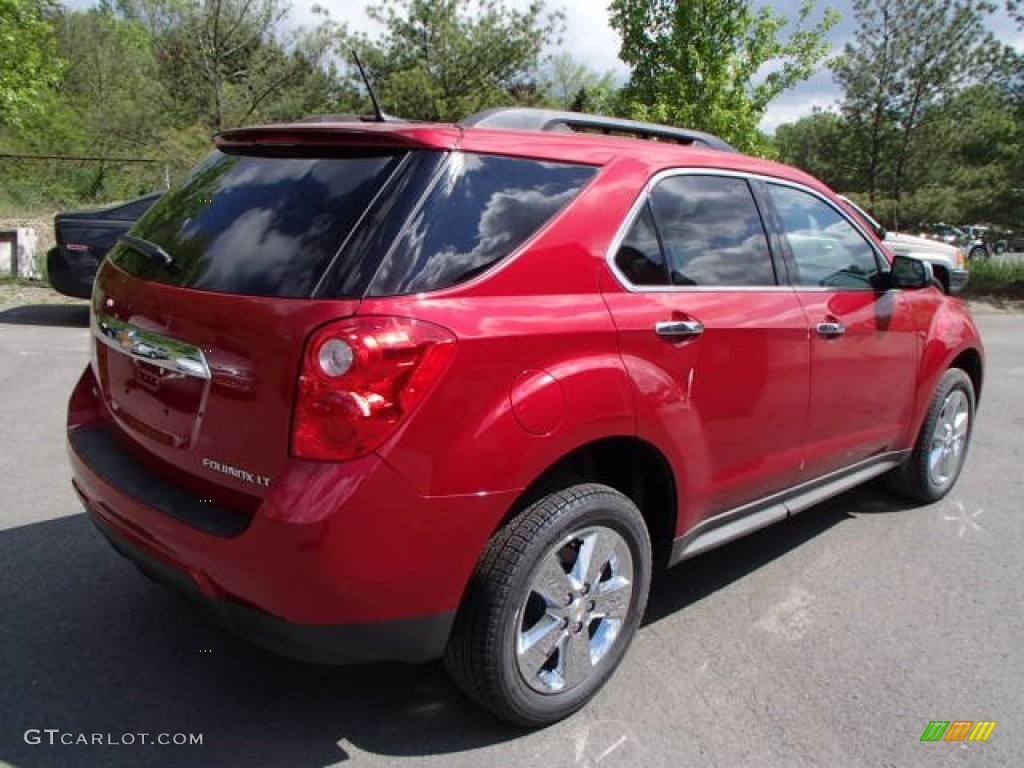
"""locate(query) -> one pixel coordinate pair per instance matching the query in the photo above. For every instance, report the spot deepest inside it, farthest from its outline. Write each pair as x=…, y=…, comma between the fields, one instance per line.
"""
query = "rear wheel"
x=553, y=605
x=941, y=447
x=978, y=252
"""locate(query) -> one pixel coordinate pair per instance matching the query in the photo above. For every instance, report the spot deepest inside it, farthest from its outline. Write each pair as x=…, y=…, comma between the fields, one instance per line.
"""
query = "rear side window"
x=711, y=231
x=640, y=257
x=481, y=210
x=262, y=226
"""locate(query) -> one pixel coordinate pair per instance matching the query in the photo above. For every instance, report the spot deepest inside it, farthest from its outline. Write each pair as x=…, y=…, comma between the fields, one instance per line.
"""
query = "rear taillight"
x=360, y=378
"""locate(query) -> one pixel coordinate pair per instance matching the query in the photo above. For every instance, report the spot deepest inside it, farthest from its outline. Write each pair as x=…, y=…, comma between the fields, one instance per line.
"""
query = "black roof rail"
x=532, y=119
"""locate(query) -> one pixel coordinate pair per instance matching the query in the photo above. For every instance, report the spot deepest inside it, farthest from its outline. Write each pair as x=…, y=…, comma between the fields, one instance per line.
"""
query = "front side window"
x=828, y=251
x=712, y=232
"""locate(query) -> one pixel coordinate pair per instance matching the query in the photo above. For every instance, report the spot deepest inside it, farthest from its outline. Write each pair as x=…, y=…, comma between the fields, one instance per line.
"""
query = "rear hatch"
x=201, y=313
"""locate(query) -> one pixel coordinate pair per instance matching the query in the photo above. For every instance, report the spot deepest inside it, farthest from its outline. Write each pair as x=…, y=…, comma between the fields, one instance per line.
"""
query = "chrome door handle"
x=831, y=330
x=679, y=329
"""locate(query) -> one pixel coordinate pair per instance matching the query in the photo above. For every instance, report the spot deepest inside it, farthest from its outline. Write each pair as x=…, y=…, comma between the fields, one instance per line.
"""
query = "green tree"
x=698, y=63
x=29, y=61
x=112, y=99
x=445, y=59
x=973, y=148
x=907, y=57
x=229, y=62
x=819, y=145
x=563, y=78
x=867, y=71
x=112, y=81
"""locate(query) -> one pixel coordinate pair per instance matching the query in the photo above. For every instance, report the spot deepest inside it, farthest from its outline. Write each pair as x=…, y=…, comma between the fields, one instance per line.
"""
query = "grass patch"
x=996, y=277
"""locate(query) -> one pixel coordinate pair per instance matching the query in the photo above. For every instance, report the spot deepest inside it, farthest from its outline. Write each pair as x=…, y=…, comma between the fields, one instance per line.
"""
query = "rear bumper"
x=339, y=562
x=416, y=639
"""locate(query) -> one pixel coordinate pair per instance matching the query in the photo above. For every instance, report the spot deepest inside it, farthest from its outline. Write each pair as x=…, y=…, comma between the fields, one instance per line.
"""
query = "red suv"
x=403, y=391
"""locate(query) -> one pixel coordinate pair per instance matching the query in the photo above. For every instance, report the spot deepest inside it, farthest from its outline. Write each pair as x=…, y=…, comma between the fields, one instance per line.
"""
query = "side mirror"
x=910, y=273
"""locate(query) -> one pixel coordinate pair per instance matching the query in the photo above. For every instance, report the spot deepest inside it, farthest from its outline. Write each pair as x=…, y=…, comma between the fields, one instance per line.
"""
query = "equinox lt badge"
x=237, y=472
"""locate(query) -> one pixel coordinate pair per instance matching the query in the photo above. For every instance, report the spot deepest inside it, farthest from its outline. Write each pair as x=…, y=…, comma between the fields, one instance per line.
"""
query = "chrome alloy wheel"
x=578, y=598
x=949, y=439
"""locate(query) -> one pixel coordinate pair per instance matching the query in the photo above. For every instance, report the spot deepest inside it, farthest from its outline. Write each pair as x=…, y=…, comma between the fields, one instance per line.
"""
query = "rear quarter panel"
x=534, y=330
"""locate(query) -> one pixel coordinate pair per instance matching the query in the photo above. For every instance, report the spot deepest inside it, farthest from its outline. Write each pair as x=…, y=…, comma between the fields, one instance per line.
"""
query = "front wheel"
x=552, y=605
x=941, y=447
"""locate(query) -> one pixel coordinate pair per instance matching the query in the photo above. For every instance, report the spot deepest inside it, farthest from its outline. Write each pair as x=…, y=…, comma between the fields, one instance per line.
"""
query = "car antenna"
x=378, y=113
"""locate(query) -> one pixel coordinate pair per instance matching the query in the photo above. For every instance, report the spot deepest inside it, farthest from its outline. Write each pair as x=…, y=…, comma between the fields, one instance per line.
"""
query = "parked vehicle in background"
x=948, y=262
x=970, y=243
x=405, y=391
x=83, y=239
x=978, y=231
x=1008, y=242
x=945, y=233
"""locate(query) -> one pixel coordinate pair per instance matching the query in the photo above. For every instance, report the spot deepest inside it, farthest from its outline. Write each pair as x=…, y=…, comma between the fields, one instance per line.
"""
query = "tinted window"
x=827, y=249
x=639, y=257
x=266, y=226
x=712, y=232
x=480, y=211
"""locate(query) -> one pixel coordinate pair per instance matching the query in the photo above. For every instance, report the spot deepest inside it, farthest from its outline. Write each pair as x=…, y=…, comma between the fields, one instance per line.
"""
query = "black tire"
x=1000, y=248
x=941, y=447
x=978, y=252
x=504, y=606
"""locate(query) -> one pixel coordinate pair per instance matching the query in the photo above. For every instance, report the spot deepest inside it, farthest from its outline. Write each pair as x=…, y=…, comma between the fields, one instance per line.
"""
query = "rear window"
x=481, y=210
x=263, y=226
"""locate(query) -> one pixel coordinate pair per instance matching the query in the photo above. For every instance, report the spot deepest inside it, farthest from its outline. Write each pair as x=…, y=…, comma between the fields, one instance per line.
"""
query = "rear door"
x=864, y=348
x=715, y=344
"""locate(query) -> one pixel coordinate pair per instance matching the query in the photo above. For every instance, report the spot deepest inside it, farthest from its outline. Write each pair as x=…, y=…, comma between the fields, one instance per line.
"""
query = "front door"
x=864, y=348
x=715, y=345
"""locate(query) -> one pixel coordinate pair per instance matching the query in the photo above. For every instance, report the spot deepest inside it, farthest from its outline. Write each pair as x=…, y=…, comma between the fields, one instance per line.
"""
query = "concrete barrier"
x=18, y=249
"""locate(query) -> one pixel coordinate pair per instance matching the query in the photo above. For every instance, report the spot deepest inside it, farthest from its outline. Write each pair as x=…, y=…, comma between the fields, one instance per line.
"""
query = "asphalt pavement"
x=832, y=639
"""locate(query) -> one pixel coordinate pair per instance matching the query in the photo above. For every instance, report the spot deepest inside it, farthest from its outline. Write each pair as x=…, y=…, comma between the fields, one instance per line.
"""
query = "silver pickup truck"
x=948, y=262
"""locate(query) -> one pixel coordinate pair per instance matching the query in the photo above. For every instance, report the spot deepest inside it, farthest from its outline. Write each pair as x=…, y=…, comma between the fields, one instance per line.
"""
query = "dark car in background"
x=969, y=239
x=83, y=239
x=1008, y=242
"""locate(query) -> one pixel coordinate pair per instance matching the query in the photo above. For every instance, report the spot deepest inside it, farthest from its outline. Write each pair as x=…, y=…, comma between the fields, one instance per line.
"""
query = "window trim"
x=778, y=246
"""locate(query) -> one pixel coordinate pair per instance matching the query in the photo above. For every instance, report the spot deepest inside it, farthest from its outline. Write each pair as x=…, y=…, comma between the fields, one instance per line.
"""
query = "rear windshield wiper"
x=152, y=250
